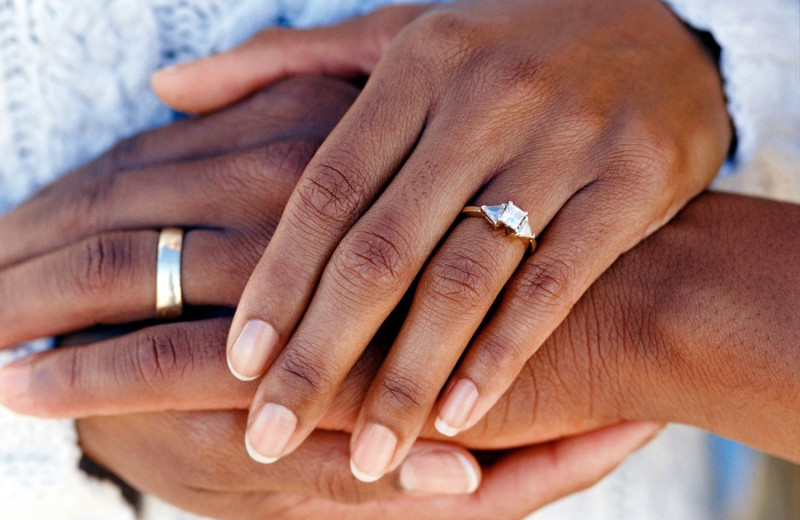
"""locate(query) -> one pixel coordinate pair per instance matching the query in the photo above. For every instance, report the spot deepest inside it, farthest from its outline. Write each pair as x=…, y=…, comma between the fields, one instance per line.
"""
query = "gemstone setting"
x=507, y=216
x=512, y=218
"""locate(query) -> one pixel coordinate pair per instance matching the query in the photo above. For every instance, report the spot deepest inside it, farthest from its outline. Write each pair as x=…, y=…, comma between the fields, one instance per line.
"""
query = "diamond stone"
x=525, y=230
x=513, y=216
x=493, y=213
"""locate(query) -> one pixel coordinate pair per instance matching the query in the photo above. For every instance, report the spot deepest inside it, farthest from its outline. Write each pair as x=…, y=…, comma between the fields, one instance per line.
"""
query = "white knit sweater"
x=74, y=79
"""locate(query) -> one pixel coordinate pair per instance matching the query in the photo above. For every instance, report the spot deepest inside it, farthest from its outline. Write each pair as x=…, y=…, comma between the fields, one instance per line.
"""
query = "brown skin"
x=195, y=460
x=640, y=344
x=601, y=118
x=674, y=331
x=82, y=251
x=97, y=265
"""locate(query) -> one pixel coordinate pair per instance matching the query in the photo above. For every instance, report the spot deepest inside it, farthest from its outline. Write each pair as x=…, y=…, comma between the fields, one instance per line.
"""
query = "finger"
x=174, y=366
x=366, y=277
x=169, y=366
x=318, y=471
x=530, y=478
x=342, y=180
x=111, y=278
x=454, y=294
x=176, y=169
x=245, y=189
x=540, y=295
x=348, y=49
x=521, y=481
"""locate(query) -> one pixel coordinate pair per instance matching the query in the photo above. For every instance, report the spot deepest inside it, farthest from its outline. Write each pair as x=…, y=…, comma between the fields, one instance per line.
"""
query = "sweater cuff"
x=759, y=42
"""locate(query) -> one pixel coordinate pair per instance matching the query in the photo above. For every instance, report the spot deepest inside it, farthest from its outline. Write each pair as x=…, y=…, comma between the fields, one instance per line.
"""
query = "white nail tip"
x=470, y=471
x=237, y=375
x=444, y=429
x=256, y=456
x=360, y=475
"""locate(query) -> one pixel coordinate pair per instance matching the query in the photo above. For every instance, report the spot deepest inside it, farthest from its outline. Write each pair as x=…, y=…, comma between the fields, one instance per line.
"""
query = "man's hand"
x=83, y=250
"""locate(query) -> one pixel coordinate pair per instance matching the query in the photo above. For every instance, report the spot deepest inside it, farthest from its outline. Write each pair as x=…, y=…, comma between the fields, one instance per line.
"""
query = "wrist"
x=716, y=332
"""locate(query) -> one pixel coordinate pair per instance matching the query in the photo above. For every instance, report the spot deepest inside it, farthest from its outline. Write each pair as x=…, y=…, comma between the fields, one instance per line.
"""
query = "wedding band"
x=169, y=297
x=506, y=216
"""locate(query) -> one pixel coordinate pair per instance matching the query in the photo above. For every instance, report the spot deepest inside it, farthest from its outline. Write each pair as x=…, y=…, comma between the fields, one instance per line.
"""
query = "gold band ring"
x=506, y=216
x=169, y=295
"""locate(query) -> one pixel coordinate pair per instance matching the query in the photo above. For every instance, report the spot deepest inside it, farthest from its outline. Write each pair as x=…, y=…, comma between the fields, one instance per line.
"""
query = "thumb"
x=345, y=50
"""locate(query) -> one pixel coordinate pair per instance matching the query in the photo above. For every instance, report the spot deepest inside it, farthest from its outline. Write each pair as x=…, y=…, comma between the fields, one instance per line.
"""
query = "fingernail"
x=15, y=380
x=248, y=357
x=457, y=407
x=269, y=433
x=440, y=472
x=372, y=452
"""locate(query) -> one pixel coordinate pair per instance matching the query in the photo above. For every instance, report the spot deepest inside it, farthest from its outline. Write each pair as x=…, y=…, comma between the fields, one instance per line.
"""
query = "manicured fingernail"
x=457, y=407
x=438, y=472
x=373, y=452
x=270, y=432
x=251, y=351
x=15, y=380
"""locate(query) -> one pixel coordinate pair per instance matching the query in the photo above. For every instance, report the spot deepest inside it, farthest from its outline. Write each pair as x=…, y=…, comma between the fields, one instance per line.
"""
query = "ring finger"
x=111, y=278
x=455, y=293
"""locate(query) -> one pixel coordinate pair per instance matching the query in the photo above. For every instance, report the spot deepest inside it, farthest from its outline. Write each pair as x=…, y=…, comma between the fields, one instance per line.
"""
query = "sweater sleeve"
x=759, y=63
x=39, y=473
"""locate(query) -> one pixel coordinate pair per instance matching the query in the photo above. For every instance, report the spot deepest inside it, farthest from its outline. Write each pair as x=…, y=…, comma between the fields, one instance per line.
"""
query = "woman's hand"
x=601, y=119
x=83, y=250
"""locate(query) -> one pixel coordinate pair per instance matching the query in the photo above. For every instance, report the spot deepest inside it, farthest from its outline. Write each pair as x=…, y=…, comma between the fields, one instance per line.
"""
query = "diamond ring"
x=506, y=216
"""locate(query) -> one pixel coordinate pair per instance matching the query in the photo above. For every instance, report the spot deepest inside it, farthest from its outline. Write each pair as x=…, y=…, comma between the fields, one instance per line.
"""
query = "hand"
x=85, y=254
x=675, y=331
x=158, y=453
x=602, y=130
x=83, y=250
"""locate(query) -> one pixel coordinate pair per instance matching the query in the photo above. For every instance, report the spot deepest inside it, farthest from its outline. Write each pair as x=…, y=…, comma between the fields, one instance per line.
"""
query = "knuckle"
x=401, y=394
x=158, y=357
x=99, y=264
x=330, y=484
x=583, y=126
x=125, y=154
x=289, y=158
x=449, y=36
x=501, y=353
x=374, y=259
x=512, y=80
x=544, y=285
x=259, y=171
x=461, y=281
x=302, y=372
x=90, y=201
x=649, y=152
x=331, y=194
x=66, y=384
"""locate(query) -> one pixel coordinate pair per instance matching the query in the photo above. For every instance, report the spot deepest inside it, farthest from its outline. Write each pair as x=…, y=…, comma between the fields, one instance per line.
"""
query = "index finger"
x=341, y=181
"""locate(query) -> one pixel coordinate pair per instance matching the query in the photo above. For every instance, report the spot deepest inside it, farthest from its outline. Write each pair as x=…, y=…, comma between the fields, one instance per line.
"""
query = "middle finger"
x=366, y=277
